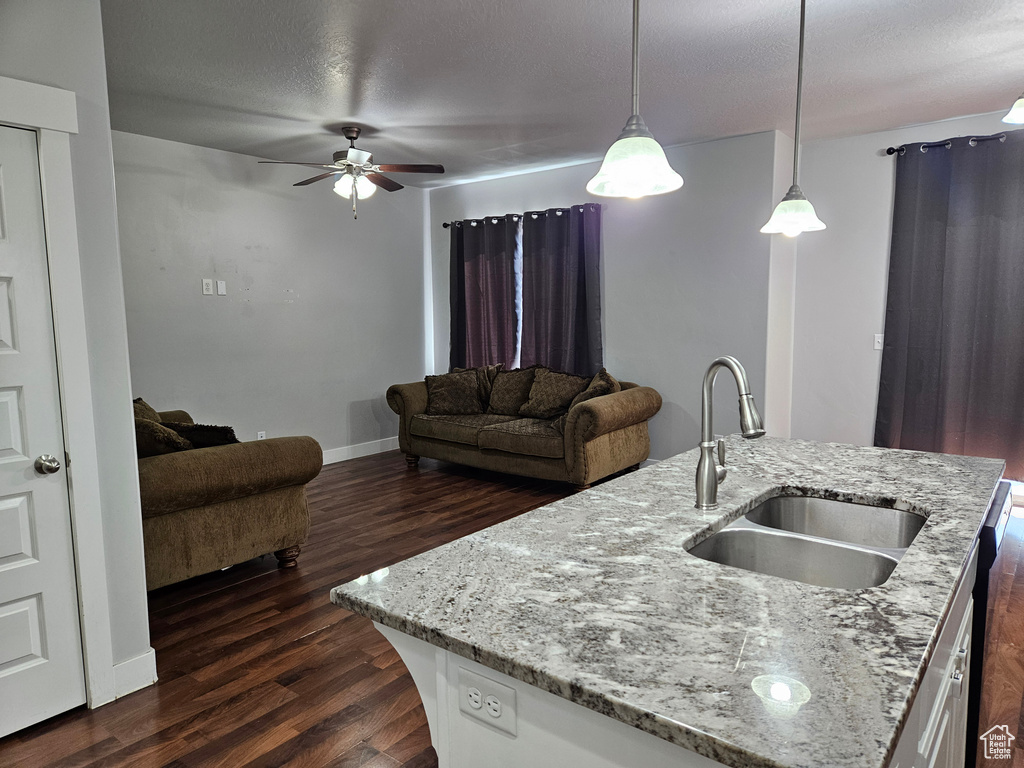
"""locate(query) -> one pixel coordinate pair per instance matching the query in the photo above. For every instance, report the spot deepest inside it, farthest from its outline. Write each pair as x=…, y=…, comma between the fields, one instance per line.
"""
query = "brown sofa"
x=600, y=437
x=208, y=508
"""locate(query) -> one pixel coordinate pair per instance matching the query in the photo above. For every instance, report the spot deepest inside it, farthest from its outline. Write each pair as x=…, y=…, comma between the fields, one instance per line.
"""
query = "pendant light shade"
x=635, y=165
x=364, y=187
x=1016, y=114
x=795, y=214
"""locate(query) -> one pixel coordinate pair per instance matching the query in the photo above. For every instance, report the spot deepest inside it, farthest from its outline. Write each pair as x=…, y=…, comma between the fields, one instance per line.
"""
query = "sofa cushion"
x=144, y=410
x=551, y=394
x=533, y=437
x=511, y=390
x=485, y=380
x=454, y=428
x=453, y=394
x=154, y=439
x=202, y=435
x=602, y=384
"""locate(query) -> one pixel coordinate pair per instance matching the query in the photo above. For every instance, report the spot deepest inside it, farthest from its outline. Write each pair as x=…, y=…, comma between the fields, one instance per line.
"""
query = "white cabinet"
x=935, y=735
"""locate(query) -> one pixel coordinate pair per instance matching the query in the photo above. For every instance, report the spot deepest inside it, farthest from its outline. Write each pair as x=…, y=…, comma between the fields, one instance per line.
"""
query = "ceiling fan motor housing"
x=353, y=156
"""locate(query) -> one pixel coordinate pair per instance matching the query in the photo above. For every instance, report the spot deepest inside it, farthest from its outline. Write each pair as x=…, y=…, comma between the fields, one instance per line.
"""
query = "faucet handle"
x=721, y=450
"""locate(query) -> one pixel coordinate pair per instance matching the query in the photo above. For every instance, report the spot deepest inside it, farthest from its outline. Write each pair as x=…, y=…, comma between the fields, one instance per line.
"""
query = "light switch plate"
x=207, y=287
x=878, y=341
x=222, y=288
x=498, y=698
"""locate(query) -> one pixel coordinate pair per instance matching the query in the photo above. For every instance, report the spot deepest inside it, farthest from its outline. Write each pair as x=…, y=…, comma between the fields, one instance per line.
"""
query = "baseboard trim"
x=136, y=673
x=334, y=455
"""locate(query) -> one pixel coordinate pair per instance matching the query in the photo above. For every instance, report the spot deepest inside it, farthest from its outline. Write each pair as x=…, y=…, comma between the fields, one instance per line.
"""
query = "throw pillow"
x=154, y=439
x=551, y=394
x=453, y=394
x=144, y=410
x=485, y=379
x=202, y=435
x=602, y=384
x=511, y=390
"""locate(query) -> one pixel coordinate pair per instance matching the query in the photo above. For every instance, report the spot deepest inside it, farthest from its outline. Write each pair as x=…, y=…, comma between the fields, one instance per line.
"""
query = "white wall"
x=323, y=312
x=842, y=274
x=61, y=44
x=685, y=275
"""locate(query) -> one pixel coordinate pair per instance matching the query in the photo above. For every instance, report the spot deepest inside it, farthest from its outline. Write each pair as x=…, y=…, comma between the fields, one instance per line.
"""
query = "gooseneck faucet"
x=710, y=474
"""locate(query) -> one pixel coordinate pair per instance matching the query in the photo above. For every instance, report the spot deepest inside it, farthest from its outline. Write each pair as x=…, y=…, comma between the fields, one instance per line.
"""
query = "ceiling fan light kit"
x=358, y=176
x=635, y=165
x=1016, y=114
x=795, y=214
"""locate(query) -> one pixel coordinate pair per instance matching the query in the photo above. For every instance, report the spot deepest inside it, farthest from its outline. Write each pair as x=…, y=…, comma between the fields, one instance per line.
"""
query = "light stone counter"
x=595, y=598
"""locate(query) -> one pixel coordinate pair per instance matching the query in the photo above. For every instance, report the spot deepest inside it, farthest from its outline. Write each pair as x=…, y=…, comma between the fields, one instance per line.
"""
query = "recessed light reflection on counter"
x=781, y=696
x=376, y=577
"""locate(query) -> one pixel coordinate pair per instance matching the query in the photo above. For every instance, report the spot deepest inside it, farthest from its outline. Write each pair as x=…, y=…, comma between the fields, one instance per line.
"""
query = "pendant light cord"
x=799, y=94
x=636, y=65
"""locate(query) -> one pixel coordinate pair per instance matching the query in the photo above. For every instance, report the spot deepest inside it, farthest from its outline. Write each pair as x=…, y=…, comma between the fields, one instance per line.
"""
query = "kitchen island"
x=632, y=646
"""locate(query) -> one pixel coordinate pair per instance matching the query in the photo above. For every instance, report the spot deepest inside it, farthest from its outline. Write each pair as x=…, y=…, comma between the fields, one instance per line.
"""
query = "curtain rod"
x=948, y=143
x=515, y=216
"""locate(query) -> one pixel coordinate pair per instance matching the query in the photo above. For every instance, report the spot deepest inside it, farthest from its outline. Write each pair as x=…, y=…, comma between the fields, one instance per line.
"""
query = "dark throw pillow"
x=452, y=394
x=485, y=380
x=154, y=439
x=144, y=410
x=511, y=390
x=551, y=394
x=602, y=384
x=202, y=435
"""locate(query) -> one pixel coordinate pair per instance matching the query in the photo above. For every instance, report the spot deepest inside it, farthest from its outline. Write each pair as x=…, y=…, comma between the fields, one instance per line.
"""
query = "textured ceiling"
x=490, y=86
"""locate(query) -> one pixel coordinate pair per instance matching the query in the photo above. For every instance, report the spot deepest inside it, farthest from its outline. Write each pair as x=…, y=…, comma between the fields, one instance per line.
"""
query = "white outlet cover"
x=207, y=286
x=505, y=696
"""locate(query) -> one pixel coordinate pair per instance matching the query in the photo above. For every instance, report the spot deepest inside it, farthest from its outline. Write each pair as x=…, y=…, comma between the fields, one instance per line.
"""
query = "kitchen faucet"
x=710, y=474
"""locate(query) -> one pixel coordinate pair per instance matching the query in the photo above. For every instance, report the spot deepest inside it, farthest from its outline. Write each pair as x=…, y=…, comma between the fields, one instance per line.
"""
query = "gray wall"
x=61, y=44
x=323, y=312
x=842, y=274
x=685, y=274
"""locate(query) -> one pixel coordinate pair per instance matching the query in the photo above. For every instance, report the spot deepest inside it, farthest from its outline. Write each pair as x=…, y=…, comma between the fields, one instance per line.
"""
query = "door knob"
x=47, y=464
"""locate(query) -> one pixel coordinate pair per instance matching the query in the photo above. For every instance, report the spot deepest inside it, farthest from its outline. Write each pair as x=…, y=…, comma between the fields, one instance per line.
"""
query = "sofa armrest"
x=195, y=478
x=407, y=400
x=178, y=417
x=607, y=413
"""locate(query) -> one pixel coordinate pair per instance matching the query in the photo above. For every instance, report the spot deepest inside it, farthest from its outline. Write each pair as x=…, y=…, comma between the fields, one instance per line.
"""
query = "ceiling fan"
x=358, y=176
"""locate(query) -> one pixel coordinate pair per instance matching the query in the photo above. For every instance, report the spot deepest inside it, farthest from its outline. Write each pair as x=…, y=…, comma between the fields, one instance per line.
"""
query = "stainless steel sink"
x=797, y=558
x=839, y=520
x=816, y=541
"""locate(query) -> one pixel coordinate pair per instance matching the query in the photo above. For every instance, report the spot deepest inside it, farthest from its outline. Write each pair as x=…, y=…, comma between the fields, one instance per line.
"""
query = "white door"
x=41, y=671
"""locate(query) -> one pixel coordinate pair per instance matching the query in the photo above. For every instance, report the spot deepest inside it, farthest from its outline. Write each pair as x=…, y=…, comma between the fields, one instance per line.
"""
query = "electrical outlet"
x=878, y=341
x=207, y=287
x=261, y=435
x=487, y=701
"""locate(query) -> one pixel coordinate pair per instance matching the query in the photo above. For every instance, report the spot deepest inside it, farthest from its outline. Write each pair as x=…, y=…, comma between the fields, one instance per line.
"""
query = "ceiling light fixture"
x=795, y=214
x=363, y=186
x=1016, y=114
x=635, y=165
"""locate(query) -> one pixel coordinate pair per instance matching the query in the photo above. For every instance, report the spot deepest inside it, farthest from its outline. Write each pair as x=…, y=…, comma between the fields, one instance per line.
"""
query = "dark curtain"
x=562, y=289
x=952, y=376
x=483, y=291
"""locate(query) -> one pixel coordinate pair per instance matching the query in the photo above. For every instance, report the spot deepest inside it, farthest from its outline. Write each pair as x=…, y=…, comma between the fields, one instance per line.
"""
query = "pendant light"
x=795, y=214
x=635, y=165
x=1016, y=114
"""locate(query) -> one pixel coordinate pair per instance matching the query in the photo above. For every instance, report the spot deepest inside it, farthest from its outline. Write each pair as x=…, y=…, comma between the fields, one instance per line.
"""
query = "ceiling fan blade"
x=304, y=182
x=416, y=168
x=384, y=182
x=288, y=162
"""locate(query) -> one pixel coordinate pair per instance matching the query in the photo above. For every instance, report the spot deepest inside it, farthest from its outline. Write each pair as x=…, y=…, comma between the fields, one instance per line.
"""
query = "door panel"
x=41, y=670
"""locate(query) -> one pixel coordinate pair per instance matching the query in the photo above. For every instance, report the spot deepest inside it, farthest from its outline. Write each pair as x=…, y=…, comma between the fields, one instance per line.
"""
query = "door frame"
x=53, y=115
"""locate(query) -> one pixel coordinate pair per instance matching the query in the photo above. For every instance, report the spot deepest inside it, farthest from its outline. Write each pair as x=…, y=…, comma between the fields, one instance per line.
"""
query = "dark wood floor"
x=258, y=668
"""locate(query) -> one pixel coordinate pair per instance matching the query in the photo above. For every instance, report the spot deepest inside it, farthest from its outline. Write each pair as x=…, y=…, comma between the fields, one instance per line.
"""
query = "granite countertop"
x=595, y=598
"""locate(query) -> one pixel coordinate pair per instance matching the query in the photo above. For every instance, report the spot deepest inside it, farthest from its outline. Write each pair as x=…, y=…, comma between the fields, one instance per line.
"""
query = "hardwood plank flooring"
x=257, y=668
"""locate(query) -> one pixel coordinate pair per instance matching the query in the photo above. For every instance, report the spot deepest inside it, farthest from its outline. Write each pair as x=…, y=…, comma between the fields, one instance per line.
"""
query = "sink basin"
x=839, y=521
x=797, y=558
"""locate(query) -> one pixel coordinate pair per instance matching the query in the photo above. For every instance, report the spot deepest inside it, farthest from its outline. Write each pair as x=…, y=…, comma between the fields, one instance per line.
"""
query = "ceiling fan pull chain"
x=355, y=196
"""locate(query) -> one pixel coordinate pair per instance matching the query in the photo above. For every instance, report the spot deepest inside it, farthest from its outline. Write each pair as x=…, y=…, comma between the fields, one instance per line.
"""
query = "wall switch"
x=487, y=701
x=207, y=287
x=878, y=341
x=261, y=435
x=222, y=288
